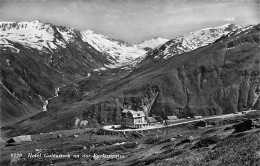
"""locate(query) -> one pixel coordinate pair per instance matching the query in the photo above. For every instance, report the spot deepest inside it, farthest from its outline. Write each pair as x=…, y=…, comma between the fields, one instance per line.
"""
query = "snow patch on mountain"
x=5, y=45
x=240, y=30
x=35, y=34
x=152, y=43
x=119, y=52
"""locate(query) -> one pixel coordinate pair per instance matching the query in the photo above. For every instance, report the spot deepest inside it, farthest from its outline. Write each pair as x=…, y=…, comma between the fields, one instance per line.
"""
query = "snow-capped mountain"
x=46, y=37
x=57, y=42
x=49, y=38
x=189, y=42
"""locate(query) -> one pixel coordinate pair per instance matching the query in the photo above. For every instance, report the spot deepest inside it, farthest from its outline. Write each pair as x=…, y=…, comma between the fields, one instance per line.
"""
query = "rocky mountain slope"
x=36, y=58
x=220, y=78
x=216, y=79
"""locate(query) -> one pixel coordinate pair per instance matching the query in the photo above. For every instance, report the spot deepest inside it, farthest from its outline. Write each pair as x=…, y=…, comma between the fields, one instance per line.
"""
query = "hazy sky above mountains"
x=133, y=20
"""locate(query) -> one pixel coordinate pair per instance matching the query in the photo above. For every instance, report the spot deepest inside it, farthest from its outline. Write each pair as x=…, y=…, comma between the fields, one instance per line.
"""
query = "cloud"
x=229, y=19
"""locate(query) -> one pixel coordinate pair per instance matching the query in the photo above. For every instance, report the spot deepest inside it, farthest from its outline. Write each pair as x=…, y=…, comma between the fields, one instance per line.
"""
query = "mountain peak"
x=151, y=43
x=224, y=27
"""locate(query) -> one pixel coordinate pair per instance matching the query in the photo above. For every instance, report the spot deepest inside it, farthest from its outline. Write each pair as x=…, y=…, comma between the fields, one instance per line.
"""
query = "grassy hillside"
x=216, y=144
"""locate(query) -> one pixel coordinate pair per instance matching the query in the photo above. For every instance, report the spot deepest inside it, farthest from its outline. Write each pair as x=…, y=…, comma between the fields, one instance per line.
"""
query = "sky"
x=133, y=20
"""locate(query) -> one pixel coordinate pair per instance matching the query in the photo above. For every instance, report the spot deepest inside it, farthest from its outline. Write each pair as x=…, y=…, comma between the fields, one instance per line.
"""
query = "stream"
x=45, y=103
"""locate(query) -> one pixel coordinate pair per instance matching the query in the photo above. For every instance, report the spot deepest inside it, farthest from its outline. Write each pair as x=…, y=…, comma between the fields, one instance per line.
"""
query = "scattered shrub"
x=205, y=142
x=152, y=140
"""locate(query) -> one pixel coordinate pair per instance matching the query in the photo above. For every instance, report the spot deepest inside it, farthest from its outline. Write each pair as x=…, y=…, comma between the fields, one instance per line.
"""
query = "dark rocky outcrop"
x=189, y=139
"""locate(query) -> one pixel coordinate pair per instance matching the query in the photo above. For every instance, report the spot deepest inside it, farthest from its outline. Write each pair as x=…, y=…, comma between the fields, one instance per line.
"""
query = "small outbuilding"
x=21, y=138
x=151, y=120
x=158, y=118
x=171, y=119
